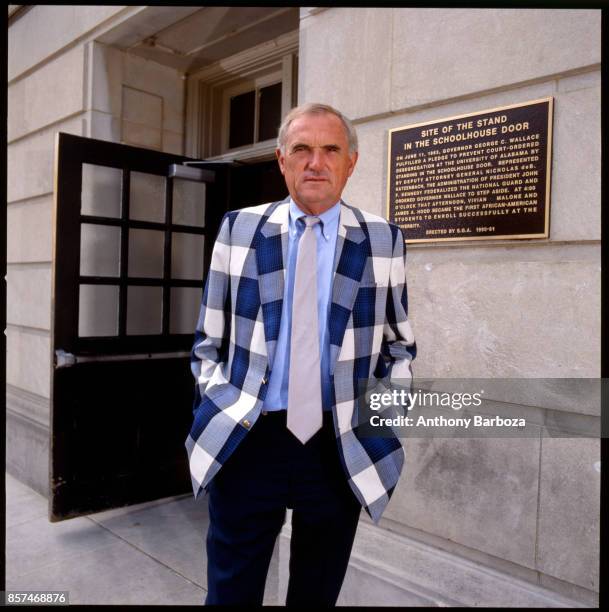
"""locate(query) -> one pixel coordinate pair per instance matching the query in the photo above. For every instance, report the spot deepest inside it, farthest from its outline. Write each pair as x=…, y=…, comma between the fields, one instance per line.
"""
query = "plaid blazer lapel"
x=352, y=250
x=271, y=244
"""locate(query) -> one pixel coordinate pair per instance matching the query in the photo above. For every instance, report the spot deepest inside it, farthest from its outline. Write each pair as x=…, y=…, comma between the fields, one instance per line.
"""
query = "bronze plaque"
x=478, y=176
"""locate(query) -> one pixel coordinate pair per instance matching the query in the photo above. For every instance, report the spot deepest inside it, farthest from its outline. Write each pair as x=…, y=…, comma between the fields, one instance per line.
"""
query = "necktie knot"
x=309, y=221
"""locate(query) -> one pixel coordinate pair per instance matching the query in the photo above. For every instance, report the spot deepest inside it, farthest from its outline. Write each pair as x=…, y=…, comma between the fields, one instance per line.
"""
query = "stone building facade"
x=473, y=521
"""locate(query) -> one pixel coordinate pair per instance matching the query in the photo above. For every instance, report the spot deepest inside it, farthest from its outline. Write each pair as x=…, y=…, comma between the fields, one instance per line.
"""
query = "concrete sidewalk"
x=154, y=553
x=150, y=553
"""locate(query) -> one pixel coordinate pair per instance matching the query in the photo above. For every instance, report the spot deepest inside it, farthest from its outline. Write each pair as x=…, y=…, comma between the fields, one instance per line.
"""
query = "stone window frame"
x=255, y=85
x=208, y=97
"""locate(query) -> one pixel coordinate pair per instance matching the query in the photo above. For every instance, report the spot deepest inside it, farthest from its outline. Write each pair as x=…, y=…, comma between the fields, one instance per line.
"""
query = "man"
x=304, y=300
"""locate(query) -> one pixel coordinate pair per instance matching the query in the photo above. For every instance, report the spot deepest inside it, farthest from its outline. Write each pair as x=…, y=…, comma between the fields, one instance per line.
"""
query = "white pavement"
x=151, y=553
x=154, y=553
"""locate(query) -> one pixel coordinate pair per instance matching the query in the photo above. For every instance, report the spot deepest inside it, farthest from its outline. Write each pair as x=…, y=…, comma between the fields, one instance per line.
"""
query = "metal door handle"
x=67, y=360
x=63, y=359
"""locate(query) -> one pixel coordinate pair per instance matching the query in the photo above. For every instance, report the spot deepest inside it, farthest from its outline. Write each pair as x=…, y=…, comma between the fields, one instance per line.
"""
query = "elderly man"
x=304, y=300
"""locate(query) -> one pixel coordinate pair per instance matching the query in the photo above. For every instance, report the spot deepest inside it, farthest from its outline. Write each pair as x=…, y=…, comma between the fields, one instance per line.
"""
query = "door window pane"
x=98, y=310
x=269, y=112
x=100, y=250
x=185, y=305
x=144, y=310
x=147, y=197
x=101, y=191
x=146, y=253
x=241, y=119
x=187, y=256
x=189, y=203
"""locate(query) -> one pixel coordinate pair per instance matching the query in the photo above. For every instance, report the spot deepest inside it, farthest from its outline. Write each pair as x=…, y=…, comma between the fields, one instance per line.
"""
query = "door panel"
x=133, y=239
x=130, y=263
x=120, y=436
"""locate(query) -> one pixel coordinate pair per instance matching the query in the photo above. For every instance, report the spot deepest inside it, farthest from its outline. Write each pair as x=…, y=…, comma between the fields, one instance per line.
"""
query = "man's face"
x=316, y=163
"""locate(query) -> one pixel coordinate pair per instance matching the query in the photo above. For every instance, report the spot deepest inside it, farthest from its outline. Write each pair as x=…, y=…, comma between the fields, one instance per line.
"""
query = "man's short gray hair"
x=314, y=108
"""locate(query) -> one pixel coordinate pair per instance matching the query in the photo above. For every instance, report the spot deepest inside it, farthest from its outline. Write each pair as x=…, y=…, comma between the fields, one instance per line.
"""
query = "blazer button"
x=246, y=424
x=264, y=380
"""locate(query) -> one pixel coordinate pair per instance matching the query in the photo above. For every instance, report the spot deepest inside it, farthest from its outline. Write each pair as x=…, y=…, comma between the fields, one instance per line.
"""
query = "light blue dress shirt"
x=326, y=233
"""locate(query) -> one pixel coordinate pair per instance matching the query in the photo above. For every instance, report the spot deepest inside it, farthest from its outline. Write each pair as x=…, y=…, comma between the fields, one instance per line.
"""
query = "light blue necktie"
x=304, y=385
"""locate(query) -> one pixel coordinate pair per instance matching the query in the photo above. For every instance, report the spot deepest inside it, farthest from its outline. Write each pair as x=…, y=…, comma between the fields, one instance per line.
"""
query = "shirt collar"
x=328, y=218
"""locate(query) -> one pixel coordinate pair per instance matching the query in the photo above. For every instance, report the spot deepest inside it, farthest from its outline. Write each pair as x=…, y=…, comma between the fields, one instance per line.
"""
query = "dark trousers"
x=271, y=470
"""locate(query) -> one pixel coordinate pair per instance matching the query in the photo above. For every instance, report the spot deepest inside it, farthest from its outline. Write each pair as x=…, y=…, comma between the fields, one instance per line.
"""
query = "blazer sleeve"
x=212, y=334
x=398, y=346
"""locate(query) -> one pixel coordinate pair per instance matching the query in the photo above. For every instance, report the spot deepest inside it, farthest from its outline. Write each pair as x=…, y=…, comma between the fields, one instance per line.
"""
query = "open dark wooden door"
x=133, y=240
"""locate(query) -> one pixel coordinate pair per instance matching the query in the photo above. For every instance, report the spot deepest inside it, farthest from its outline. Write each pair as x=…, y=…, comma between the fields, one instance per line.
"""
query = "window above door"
x=253, y=114
x=235, y=107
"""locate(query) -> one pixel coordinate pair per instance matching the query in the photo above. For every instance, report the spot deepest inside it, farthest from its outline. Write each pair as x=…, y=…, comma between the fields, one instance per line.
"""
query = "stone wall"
x=62, y=80
x=528, y=508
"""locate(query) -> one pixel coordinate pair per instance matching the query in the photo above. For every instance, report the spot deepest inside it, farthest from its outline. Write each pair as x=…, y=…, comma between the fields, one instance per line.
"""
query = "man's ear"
x=354, y=158
x=280, y=160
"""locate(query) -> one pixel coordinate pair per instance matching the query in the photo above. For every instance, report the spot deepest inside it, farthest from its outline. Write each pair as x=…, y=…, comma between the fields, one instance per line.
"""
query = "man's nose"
x=316, y=159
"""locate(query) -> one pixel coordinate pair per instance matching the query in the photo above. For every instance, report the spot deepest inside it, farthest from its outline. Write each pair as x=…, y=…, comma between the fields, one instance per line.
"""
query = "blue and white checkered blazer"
x=238, y=327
